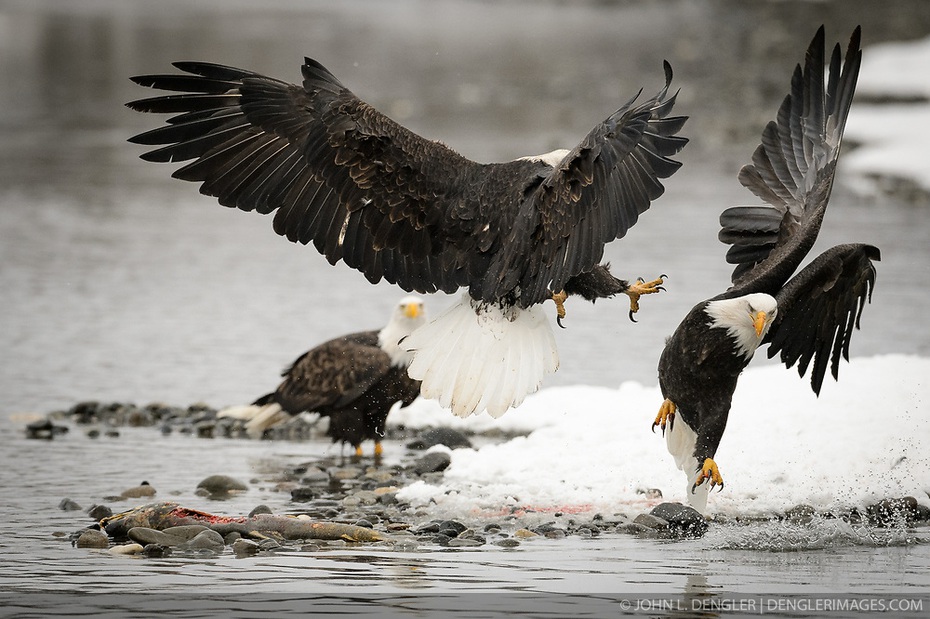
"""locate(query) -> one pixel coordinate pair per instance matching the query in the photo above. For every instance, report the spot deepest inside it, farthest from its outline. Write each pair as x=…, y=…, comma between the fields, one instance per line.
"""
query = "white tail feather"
x=680, y=440
x=473, y=358
x=266, y=417
x=243, y=411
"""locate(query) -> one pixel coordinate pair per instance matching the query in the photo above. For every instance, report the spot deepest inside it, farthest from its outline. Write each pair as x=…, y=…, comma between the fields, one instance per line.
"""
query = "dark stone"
x=186, y=531
x=245, y=548
x=43, y=429
x=93, y=538
x=260, y=509
x=892, y=512
x=147, y=536
x=206, y=540
x=452, y=439
x=302, y=495
x=144, y=489
x=432, y=462
x=801, y=514
x=364, y=523
x=156, y=551
x=652, y=522
x=218, y=486
x=69, y=506
x=507, y=543
x=452, y=525
x=555, y=533
x=465, y=542
x=682, y=520
x=99, y=512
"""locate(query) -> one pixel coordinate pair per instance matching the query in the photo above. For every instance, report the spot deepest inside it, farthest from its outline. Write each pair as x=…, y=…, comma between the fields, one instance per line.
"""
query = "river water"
x=120, y=283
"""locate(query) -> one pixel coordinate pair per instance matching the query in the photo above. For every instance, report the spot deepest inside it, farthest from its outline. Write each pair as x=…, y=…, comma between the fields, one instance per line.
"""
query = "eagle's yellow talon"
x=358, y=450
x=709, y=471
x=559, y=299
x=641, y=287
x=666, y=416
x=379, y=450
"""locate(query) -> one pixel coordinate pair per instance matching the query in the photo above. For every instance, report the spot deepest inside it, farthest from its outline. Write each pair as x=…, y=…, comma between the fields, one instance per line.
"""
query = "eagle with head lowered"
x=355, y=380
x=806, y=319
x=362, y=189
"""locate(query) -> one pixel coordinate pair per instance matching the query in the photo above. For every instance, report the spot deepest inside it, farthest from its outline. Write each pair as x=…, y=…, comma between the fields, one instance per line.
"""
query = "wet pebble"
x=127, y=549
x=69, y=506
x=156, y=551
x=464, y=542
x=99, y=512
x=800, y=514
x=44, y=429
x=147, y=536
x=507, y=542
x=245, y=548
x=432, y=462
x=260, y=509
x=206, y=540
x=683, y=521
x=221, y=485
x=652, y=522
x=893, y=512
x=92, y=538
x=449, y=437
x=142, y=490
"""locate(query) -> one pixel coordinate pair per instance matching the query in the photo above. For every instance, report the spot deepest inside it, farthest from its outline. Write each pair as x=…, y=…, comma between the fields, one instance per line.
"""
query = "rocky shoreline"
x=354, y=492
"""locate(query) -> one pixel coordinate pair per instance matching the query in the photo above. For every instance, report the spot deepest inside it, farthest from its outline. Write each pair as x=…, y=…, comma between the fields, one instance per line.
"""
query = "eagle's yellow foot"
x=379, y=450
x=641, y=287
x=666, y=416
x=559, y=299
x=709, y=472
x=358, y=451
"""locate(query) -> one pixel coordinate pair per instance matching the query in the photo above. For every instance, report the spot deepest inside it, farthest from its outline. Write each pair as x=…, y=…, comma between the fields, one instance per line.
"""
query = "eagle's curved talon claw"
x=666, y=416
x=631, y=317
x=710, y=473
x=558, y=321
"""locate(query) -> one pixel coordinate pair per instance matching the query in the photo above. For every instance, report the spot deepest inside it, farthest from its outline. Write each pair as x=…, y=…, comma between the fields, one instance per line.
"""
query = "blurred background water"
x=119, y=283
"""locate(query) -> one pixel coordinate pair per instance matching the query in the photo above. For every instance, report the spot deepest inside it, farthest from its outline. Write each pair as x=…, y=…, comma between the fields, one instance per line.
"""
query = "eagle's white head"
x=408, y=315
x=747, y=319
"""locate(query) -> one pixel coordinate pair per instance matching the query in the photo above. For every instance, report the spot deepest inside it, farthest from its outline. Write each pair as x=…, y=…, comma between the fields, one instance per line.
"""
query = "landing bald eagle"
x=354, y=380
x=395, y=206
x=809, y=317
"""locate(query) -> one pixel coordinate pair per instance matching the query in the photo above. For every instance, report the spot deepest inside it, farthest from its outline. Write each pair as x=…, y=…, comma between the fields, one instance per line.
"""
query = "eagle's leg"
x=559, y=299
x=666, y=416
x=641, y=287
x=709, y=471
x=379, y=450
x=358, y=451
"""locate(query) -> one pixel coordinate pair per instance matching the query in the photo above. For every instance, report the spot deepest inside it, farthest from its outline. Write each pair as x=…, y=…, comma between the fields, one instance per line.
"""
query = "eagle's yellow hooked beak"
x=759, y=323
x=412, y=310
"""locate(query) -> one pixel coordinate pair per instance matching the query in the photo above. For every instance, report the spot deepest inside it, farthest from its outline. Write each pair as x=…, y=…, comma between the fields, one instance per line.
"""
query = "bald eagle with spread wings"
x=806, y=319
x=362, y=189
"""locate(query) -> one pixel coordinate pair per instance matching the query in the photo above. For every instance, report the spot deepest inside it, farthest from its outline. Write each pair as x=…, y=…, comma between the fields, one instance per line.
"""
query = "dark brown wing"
x=819, y=307
x=393, y=205
x=333, y=375
x=336, y=172
x=600, y=188
x=792, y=170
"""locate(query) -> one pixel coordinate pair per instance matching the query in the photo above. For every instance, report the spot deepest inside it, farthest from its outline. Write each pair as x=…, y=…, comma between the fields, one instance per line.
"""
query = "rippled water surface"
x=591, y=575
x=122, y=284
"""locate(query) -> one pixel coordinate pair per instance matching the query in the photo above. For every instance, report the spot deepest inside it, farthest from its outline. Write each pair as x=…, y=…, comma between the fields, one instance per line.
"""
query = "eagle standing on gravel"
x=395, y=206
x=807, y=318
x=355, y=380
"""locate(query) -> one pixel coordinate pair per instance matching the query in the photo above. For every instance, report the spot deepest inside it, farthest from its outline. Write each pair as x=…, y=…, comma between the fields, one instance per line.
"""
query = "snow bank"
x=591, y=449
